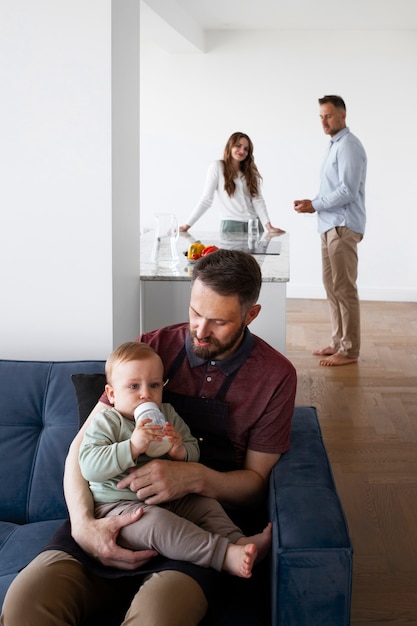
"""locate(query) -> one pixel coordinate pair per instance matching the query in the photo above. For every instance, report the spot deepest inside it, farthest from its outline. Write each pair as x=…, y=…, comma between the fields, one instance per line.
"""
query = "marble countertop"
x=274, y=267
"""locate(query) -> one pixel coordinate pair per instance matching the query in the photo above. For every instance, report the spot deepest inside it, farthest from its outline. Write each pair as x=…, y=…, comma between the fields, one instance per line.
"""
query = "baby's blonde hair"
x=129, y=351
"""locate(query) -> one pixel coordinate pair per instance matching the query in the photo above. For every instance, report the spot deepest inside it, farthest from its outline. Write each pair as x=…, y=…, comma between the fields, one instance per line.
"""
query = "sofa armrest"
x=311, y=551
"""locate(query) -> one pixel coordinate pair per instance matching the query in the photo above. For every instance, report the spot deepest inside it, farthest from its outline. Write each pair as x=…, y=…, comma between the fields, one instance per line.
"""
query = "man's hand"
x=304, y=206
x=99, y=541
x=161, y=480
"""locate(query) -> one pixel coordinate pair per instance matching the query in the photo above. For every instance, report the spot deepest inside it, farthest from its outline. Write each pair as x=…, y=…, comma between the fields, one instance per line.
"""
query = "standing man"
x=340, y=206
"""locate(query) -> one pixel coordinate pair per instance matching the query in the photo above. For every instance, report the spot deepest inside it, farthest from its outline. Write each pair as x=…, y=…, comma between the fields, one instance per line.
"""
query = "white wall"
x=60, y=262
x=267, y=84
x=69, y=219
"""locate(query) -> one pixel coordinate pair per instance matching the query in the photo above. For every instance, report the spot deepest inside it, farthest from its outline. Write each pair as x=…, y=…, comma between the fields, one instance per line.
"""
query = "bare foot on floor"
x=241, y=556
x=337, y=359
x=328, y=351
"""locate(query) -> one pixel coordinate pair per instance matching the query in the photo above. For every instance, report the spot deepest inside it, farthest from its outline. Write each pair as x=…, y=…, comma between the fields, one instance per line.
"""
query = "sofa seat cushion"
x=19, y=544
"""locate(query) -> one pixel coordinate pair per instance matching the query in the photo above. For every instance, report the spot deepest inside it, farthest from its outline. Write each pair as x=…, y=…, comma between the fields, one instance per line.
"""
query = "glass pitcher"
x=164, y=251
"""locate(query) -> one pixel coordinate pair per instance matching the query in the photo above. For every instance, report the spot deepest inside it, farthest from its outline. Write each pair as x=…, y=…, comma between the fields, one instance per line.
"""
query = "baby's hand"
x=143, y=435
x=178, y=451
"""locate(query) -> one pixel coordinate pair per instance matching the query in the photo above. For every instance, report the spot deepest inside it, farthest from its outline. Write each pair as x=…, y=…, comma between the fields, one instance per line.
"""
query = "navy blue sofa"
x=310, y=569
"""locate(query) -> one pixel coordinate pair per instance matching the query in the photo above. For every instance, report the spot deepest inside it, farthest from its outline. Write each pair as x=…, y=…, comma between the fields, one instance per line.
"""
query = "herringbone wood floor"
x=368, y=416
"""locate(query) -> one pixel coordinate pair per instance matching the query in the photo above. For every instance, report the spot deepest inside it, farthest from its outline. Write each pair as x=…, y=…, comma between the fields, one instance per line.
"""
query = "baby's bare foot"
x=239, y=559
x=262, y=542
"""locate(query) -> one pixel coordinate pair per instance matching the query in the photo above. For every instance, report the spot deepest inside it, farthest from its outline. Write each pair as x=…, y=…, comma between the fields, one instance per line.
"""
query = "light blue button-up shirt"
x=341, y=199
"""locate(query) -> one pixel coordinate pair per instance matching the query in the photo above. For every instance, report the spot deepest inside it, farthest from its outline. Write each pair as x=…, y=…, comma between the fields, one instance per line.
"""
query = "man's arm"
x=344, y=184
x=96, y=536
x=160, y=480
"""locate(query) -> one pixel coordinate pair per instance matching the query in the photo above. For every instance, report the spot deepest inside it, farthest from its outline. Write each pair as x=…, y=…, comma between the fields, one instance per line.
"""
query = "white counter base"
x=165, y=302
x=165, y=294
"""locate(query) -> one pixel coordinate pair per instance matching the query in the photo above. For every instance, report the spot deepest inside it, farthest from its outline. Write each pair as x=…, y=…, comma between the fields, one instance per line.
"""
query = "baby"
x=193, y=528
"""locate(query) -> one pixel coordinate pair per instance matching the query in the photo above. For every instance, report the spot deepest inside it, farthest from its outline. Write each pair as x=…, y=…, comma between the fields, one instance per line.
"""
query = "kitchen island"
x=165, y=292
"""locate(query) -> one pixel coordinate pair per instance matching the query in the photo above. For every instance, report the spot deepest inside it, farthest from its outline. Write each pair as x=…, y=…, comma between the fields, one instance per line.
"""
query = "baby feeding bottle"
x=150, y=410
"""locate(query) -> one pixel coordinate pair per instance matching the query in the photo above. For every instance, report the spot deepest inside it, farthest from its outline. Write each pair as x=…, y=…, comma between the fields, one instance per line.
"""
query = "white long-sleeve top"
x=240, y=207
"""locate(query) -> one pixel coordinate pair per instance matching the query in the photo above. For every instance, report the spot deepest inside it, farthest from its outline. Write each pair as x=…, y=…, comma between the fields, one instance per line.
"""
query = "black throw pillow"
x=88, y=389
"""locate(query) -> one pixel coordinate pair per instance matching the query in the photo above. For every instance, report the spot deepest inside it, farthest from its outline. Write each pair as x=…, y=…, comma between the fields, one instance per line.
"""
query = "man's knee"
x=52, y=587
x=168, y=598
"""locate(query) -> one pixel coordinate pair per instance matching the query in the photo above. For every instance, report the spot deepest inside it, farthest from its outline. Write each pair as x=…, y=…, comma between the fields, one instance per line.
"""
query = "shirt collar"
x=340, y=134
x=229, y=365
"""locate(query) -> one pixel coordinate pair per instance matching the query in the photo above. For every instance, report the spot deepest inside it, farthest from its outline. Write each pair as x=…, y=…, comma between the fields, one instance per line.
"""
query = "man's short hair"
x=229, y=273
x=337, y=101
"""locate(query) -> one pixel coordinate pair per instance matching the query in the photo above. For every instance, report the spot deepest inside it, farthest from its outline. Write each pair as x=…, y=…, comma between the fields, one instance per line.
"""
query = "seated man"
x=237, y=395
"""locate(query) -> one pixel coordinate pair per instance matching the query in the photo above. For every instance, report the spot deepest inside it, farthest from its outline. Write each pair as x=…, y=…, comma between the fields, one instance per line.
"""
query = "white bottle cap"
x=145, y=406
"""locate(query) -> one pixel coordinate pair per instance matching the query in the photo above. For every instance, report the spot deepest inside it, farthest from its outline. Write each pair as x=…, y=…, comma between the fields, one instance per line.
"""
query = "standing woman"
x=238, y=184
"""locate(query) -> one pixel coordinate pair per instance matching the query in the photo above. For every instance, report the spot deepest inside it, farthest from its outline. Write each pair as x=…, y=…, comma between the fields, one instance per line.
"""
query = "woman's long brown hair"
x=247, y=167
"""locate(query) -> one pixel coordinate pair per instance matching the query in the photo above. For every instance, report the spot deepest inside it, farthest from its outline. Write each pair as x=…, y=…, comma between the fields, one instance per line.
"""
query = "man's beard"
x=216, y=348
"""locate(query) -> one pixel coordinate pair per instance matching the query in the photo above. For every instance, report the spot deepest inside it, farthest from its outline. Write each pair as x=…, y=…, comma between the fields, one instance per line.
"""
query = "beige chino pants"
x=56, y=590
x=340, y=272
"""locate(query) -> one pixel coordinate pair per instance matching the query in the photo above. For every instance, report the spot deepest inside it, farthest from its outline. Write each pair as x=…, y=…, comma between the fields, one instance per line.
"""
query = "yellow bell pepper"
x=195, y=250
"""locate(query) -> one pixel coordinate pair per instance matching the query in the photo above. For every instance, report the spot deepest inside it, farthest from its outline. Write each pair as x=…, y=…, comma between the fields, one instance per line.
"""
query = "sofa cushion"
x=38, y=420
x=20, y=544
x=88, y=389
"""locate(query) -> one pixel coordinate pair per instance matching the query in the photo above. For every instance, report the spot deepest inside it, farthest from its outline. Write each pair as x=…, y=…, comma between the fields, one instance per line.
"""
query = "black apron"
x=207, y=420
